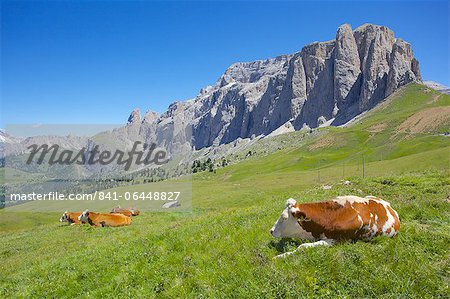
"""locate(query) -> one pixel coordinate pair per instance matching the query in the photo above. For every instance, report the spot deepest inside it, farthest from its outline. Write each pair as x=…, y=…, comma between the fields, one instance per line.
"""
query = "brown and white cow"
x=127, y=212
x=119, y=210
x=134, y=211
x=97, y=219
x=343, y=218
x=71, y=217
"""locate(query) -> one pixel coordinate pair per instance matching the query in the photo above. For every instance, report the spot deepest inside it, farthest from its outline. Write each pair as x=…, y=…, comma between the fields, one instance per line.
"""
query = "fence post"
x=363, y=167
x=318, y=172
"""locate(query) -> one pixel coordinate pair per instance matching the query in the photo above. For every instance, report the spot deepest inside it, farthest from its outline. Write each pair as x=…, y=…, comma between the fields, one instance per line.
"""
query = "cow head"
x=134, y=211
x=287, y=225
x=64, y=217
x=84, y=217
x=115, y=209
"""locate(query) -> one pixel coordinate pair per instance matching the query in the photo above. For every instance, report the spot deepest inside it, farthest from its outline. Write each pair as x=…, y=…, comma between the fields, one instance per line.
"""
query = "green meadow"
x=222, y=247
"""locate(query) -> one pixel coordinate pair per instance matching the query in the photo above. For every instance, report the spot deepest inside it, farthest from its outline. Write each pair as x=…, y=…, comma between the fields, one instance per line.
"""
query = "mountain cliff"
x=325, y=82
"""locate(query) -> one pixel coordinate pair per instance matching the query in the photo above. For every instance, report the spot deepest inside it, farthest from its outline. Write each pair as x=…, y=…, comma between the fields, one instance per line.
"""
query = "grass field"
x=223, y=247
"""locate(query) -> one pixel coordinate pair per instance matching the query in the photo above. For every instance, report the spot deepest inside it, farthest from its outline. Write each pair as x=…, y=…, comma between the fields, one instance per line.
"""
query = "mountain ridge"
x=324, y=83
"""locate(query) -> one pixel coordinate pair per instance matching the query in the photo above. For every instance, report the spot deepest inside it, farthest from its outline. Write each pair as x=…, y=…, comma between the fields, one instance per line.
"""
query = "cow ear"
x=301, y=216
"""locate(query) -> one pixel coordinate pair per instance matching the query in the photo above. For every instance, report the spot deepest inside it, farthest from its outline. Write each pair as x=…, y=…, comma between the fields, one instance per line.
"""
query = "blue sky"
x=93, y=62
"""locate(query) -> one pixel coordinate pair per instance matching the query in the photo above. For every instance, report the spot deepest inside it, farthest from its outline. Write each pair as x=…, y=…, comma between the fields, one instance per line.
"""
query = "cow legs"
x=327, y=242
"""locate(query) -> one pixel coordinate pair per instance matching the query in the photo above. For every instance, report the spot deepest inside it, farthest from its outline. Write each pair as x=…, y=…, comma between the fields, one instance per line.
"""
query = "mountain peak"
x=325, y=82
x=135, y=116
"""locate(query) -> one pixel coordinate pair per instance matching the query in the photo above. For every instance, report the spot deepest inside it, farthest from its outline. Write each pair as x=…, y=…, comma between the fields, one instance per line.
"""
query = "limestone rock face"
x=374, y=44
x=325, y=82
x=295, y=87
x=403, y=66
x=347, y=65
x=318, y=65
x=150, y=117
x=135, y=117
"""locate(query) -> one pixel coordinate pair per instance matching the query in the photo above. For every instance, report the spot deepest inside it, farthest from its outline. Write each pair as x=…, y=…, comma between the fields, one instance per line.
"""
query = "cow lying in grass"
x=71, y=217
x=127, y=212
x=97, y=219
x=122, y=211
x=134, y=211
x=343, y=218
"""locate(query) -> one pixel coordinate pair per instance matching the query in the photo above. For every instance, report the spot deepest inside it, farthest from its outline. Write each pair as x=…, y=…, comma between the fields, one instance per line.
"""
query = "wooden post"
x=363, y=167
x=318, y=172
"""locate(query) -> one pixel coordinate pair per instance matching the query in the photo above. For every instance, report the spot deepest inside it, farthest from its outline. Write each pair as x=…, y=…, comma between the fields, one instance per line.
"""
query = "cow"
x=119, y=210
x=127, y=212
x=134, y=211
x=97, y=219
x=71, y=217
x=343, y=218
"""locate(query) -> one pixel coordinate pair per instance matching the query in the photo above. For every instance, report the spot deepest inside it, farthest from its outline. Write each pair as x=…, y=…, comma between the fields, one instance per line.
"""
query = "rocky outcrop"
x=135, y=117
x=318, y=65
x=403, y=67
x=325, y=82
x=347, y=65
x=150, y=117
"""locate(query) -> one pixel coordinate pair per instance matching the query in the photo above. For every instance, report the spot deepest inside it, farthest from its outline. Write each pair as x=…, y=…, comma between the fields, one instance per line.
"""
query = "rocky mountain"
x=7, y=138
x=326, y=82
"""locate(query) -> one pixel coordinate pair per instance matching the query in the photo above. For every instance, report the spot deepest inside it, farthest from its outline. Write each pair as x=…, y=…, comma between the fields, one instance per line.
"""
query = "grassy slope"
x=223, y=247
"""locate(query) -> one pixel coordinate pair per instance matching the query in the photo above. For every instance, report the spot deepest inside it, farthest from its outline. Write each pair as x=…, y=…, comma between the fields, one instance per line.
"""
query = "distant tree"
x=224, y=162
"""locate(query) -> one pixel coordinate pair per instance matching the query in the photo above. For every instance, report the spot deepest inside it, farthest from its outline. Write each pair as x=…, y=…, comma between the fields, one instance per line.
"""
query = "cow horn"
x=290, y=202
